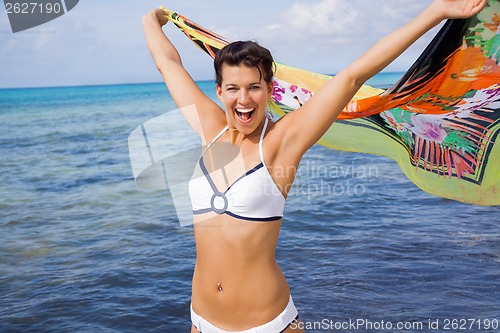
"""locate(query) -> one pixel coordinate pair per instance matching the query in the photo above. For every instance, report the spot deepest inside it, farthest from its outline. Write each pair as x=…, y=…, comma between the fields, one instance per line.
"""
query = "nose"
x=243, y=96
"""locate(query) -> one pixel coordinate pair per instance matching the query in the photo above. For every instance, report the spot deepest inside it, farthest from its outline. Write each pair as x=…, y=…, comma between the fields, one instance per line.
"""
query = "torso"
x=237, y=283
x=238, y=257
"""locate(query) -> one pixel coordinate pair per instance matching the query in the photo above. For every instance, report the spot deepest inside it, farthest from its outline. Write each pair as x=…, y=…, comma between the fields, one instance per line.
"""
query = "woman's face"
x=244, y=94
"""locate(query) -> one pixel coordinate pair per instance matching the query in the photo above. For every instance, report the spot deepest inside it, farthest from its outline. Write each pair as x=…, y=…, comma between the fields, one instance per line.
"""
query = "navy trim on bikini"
x=207, y=175
x=296, y=318
x=212, y=185
x=202, y=211
x=249, y=172
x=255, y=219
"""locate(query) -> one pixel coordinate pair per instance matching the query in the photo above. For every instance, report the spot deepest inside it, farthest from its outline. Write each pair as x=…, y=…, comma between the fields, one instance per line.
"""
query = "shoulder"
x=207, y=119
x=278, y=133
x=277, y=146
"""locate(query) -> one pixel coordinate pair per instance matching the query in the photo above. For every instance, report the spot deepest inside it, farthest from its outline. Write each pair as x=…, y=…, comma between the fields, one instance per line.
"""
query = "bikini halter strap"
x=215, y=139
x=261, y=152
x=264, y=128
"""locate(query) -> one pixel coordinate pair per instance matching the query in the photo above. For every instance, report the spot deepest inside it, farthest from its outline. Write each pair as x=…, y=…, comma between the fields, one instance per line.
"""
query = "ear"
x=218, y=91
x=270, y=88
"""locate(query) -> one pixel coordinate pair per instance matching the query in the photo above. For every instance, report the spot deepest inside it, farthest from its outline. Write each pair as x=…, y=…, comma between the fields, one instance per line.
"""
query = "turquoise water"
x=84, y=249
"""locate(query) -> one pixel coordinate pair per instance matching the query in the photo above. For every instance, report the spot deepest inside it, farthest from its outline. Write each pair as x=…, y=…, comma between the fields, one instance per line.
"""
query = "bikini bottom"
x=277, y=325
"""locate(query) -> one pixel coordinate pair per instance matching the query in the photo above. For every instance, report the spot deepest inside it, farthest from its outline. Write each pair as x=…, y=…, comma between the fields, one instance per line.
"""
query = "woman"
x=237, y=284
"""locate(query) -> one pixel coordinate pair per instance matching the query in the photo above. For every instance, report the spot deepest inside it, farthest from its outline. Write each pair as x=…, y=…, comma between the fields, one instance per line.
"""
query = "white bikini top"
x=254, y=196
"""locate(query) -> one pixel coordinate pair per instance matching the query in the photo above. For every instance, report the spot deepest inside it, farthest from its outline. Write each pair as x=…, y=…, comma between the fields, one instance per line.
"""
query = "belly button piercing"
x=219, y=287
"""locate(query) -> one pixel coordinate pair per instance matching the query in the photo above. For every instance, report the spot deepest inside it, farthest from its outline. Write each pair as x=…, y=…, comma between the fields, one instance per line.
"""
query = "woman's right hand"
x=158, y=15
x=161, y=16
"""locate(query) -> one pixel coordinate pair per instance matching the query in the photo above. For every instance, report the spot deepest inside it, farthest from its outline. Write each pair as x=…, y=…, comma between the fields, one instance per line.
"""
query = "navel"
x=219, y=287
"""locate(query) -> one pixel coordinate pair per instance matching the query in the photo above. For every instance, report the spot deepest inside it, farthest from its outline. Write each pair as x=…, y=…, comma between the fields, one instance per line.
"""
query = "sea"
x=85, y=249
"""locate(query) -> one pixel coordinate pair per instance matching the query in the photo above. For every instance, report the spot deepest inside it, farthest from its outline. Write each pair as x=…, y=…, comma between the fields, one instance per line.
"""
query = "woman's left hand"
x=456, y=9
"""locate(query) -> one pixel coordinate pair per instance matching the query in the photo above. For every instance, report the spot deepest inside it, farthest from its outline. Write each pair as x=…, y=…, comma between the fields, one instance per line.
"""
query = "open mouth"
x=245, y=115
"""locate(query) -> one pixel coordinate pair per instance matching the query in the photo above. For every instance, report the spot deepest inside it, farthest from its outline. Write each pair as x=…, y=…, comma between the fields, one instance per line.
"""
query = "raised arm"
x=209, y=117
x=305, y=126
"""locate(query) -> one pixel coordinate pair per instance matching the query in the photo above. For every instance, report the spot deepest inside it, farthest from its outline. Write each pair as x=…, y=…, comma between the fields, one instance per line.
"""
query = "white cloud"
x=327, y=21
x=332, y=33
x=326, y=18
x=402, y=10
x=45, y=40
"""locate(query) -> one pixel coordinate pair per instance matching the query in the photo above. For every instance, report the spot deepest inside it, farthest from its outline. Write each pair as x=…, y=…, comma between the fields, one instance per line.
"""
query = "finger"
x=478, y=6
x=472, y=7
x=164, y=12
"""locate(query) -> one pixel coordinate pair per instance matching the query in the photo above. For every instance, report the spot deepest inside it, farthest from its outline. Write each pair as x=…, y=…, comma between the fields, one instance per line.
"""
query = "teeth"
x=244, y=110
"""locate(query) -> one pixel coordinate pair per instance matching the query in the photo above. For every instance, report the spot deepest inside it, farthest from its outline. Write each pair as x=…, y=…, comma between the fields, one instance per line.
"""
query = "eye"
x=254, y=87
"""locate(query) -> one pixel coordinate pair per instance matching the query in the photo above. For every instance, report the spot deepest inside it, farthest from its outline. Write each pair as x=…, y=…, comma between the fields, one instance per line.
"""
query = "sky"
x=102, y=42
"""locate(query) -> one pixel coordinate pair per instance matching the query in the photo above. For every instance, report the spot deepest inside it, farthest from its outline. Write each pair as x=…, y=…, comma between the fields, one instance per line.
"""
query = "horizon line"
x=137, y=83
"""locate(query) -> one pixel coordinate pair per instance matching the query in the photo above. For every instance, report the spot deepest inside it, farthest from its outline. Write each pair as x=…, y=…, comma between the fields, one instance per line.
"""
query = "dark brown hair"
x=247, y=53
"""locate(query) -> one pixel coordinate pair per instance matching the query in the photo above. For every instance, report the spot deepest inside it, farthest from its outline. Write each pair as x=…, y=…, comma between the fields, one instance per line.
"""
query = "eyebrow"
x=235, y=85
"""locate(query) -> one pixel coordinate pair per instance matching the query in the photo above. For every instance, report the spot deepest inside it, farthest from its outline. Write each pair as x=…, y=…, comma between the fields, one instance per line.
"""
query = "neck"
x=236, y=137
